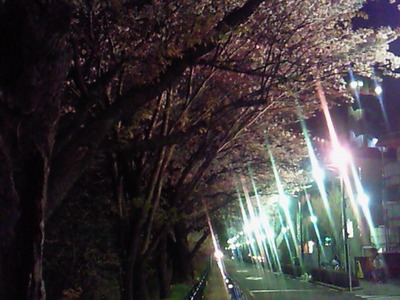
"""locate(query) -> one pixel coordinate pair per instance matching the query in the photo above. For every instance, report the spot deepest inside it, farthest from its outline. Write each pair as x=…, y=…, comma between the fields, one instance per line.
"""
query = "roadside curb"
x=343, y=289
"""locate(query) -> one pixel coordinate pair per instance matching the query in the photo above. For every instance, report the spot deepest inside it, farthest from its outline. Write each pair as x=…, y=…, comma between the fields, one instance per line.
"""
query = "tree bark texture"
x=33, y=67
x=163, y=272
x=180, y=255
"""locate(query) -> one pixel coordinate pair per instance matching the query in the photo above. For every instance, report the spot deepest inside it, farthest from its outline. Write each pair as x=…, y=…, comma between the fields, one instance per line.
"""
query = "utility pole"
x=345, y=232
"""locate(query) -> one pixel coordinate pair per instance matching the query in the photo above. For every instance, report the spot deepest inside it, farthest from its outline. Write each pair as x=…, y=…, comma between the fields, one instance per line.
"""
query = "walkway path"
x=215, y=289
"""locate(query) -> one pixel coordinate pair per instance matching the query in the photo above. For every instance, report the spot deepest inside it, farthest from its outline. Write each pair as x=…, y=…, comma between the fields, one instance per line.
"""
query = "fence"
x=197, y=292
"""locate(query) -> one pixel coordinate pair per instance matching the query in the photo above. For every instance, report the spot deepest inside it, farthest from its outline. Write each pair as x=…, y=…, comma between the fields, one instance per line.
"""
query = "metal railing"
x=197, y=292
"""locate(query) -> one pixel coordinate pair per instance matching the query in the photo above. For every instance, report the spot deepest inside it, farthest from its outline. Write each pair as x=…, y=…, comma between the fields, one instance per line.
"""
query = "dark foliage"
x=82, y=244
x=338, y=278
x=292, y=270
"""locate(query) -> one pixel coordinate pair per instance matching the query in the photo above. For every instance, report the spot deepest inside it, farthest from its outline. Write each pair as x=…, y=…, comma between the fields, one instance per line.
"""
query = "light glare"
x=363, y=199
x=378, y=90
x=218, y=254
x=318, y=173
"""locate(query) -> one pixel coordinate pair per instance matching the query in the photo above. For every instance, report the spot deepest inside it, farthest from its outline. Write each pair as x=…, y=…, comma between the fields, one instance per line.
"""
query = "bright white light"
x=284, y=201
x=218, y=254
x=350, y=229
x=378, y=90
x=318, y=173
x=356, y=84
x=363, y=199
x=340, y=157
x=353, y=84
x=253, y=226
x=313, y=219
x=230, y=286
x=247, y=229
x=310, y=245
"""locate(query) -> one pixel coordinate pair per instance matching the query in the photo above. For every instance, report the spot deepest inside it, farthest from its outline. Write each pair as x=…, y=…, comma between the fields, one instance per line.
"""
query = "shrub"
x=338, y=278
x=292, y=270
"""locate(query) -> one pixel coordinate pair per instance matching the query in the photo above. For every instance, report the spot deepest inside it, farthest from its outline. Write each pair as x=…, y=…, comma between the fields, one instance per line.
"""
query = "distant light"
x=310, y=245
x=378, y=90
x=350, y=229
x=313, y=219
x=356, y=84
x=373, y=142
x=230, y=286
x=218, y=254
x=363, y=199
x=353, y=84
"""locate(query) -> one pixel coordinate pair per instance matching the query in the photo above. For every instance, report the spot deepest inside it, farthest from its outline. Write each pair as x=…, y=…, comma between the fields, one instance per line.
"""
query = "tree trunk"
x=128, y=276
x=164, y=277
x=21, y=254
x=180, y=255
x=140, y=289
x=33, y=66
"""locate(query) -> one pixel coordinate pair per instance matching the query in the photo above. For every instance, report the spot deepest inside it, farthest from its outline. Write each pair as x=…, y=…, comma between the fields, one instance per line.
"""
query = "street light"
x=378, y=90
x=313, y=219
x=356, y=84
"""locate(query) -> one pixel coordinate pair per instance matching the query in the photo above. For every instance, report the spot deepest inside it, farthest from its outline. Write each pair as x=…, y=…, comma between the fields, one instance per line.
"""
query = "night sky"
x=381, y=13
x=384, y=13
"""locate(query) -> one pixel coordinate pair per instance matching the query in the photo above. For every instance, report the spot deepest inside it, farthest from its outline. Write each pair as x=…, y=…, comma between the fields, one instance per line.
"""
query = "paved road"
x=261, y=284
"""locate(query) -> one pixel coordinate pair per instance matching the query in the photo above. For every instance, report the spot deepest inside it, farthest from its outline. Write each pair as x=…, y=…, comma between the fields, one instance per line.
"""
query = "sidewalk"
x=390, y=288
x=215, y=288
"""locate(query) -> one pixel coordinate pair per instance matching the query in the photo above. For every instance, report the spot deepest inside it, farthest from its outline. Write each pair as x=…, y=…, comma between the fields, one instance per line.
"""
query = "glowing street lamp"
x=378, y=90
x=340, y=157
x=313, y=219
x=356, y=84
